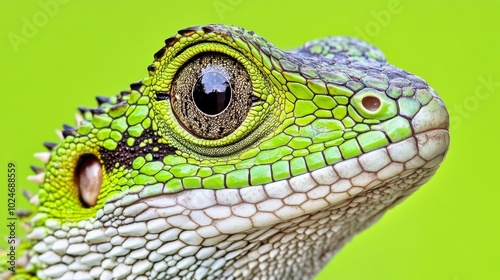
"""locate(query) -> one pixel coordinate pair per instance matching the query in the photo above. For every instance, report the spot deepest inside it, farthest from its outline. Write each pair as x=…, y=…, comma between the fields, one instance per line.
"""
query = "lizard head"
x=235, y=158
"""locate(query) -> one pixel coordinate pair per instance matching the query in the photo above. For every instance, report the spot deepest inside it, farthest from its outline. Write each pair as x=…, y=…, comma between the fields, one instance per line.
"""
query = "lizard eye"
x=88, y=179
x=211, y=95
x=213, y=99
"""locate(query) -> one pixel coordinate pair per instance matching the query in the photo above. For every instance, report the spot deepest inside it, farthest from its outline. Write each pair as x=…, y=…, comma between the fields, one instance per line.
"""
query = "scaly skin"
x=314, y=161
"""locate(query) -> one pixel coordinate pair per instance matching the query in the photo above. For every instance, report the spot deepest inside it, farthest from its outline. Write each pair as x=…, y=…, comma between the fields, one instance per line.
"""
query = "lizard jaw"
x=304, y=194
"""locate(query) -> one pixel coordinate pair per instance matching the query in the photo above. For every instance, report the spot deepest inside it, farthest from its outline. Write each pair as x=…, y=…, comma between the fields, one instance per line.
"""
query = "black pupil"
x=212, y=93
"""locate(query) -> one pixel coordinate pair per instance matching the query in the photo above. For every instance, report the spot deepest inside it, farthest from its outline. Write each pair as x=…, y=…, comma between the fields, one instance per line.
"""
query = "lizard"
x=233, y=159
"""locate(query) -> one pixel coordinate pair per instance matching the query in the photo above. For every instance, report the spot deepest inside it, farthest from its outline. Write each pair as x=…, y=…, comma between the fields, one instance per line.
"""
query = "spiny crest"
x=37, y=169
x=85, y=115
x=37, y=178
x=88, y=113
x=103, y=100
x=50, y=145
x=30, y=197
x=109, y=104
x=105, y=105
x=172, y=40
x=68, y=130
x=136, y=85
x=43, y=156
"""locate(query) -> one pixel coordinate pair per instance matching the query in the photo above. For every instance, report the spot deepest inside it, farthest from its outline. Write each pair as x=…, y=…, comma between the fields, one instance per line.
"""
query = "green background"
x=53, y=60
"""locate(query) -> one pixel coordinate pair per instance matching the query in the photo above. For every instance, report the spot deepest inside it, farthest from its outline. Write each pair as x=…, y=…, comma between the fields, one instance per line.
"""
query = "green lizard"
x=233, y=160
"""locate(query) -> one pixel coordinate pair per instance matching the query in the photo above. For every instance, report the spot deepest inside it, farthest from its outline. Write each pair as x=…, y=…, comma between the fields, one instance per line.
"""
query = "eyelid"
x=263, y=99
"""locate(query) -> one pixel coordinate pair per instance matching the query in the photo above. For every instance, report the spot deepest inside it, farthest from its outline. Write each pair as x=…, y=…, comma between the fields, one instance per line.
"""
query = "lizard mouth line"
x=410, y=162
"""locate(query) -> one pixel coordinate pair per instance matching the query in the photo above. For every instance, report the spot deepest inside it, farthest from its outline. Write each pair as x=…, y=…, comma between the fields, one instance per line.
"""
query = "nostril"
x=88, y=179
x=371, y=103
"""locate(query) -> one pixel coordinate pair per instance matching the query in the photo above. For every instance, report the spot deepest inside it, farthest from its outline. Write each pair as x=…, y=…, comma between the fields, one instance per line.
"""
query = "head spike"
x=97, y=111
x=43, y=156
x=59, y=134
x=67, y=133
x=37, y=179
x=187, y=31
x=27, y=194
x=159, y=53
x=102, y=99
x=68, y=130
x=93, y=111
x=68, y=127
x=136, y=85
x=78, y=119
x=207, y=29
x=23, y=213
x=49, y=145
x=170, y=41
x=37, y=169
x=83, y=110
x=35, y=200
